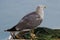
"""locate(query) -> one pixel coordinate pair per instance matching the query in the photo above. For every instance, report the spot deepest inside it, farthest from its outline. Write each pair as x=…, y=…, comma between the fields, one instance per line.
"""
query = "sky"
x=11, y=12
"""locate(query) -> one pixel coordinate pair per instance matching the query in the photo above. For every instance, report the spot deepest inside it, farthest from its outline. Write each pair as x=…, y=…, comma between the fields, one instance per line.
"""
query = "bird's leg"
x=32, y=34
x=12, y=34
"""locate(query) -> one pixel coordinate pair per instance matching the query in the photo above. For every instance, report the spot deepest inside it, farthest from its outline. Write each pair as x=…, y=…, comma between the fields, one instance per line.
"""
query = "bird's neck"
x=40, y=12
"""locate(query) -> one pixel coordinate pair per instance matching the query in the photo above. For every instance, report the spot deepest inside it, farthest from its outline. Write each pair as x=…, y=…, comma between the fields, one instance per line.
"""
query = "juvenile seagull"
x=31, y=20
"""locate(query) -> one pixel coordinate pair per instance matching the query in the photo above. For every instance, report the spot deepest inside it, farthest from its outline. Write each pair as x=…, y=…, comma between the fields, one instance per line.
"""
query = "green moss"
x=43, y=33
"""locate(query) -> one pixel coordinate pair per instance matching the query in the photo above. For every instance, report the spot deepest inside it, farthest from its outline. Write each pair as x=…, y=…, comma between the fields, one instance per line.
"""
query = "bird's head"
x=40, y=8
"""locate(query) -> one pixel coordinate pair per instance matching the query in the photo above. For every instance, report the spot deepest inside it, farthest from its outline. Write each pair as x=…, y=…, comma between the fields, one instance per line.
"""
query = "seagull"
x=30, y=21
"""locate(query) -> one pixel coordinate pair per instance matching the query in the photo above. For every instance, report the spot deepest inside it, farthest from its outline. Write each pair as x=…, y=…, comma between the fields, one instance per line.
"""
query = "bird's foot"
x=33, y=36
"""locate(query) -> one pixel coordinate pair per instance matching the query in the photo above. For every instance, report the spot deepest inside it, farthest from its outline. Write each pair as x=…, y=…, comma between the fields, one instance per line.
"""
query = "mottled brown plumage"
x=30, y=21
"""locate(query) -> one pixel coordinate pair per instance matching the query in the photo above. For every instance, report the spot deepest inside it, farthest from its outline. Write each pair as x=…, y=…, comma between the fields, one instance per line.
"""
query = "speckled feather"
x=29, y=21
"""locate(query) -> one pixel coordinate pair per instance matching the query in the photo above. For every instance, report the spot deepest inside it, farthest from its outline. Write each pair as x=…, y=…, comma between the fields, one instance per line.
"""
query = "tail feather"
x=12, y=29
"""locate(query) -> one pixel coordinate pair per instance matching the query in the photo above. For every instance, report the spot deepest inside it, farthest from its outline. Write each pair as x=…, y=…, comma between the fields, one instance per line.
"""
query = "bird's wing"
x=29, y=20
x=26, y=19
x=29, y=17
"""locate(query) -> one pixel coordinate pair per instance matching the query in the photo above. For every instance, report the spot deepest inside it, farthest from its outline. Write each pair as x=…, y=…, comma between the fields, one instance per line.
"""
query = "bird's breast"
x=41, y=15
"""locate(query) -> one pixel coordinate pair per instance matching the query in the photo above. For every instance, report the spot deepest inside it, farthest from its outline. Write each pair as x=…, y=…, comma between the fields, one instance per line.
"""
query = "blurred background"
x=11, y=11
